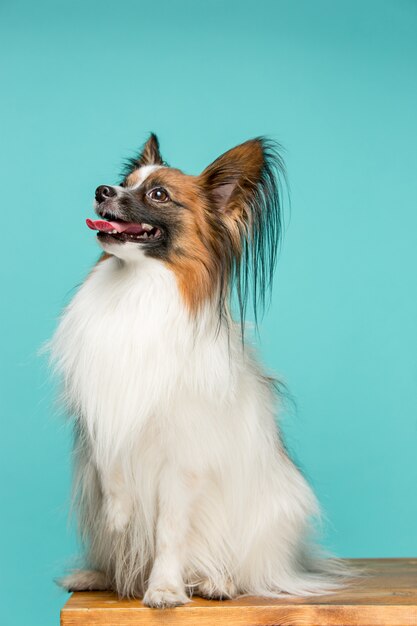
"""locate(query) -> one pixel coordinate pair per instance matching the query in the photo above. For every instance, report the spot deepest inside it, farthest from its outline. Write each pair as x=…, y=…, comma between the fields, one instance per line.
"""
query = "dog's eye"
x=159, y=194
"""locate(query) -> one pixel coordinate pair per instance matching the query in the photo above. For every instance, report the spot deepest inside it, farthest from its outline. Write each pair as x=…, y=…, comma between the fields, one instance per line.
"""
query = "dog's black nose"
x=103, y=192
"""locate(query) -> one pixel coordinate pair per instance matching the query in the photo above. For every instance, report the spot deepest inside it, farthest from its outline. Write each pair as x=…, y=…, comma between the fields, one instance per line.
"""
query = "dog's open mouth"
x=125, y=231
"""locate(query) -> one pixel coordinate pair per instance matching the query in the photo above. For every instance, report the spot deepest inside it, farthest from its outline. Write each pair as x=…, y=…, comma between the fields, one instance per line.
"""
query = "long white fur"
x=181, y=479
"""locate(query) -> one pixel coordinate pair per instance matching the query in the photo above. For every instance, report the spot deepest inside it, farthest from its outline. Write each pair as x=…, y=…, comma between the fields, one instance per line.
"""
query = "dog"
x=182, y=482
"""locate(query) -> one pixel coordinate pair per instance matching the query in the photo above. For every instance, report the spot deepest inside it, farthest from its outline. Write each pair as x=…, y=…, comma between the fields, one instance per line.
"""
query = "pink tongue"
x=120, y=227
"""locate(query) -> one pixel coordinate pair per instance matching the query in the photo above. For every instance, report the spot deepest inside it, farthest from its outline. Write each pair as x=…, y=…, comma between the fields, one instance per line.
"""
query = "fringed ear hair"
x=243, y=186
x=149, y=155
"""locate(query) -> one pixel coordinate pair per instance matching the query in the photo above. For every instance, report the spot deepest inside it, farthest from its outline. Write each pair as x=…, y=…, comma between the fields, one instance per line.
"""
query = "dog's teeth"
x=145, y=235
x=146, y=226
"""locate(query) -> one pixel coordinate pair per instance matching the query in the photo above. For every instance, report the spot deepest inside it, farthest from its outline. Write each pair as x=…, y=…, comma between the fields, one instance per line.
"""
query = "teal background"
x=335, y=82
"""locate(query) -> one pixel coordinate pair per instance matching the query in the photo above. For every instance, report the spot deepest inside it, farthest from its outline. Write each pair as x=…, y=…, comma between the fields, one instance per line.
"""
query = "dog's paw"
x=84, y=580
x=118, y=513
x=214, y=591
x=163, y=598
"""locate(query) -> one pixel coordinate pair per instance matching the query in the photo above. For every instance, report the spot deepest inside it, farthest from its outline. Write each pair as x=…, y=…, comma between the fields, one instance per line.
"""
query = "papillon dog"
x=182, y=482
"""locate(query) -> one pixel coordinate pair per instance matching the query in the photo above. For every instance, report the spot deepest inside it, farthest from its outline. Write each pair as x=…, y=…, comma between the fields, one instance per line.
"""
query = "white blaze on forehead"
x=142, y=174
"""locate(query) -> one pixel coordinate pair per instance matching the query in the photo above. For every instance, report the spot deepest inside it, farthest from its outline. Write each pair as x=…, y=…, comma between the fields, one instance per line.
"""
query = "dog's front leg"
x=117, y=499
x=166, y=585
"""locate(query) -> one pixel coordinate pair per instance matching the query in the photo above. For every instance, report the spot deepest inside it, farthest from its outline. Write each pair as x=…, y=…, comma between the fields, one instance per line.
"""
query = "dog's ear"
x=150, y=154
x=232, y=179
x=242, y=187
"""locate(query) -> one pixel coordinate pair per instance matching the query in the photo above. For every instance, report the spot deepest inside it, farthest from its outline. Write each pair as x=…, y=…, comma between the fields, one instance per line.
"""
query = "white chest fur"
x=128, y=350
x=182, y=439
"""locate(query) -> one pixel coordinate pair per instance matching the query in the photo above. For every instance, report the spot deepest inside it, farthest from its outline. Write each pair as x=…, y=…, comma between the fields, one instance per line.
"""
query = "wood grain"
x=386, y=595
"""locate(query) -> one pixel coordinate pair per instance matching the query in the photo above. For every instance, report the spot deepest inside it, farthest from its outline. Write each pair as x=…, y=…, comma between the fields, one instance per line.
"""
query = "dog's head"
x=211, y=229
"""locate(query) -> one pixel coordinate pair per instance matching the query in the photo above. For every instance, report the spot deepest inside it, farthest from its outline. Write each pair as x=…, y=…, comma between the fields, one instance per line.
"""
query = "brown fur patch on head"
x=229, y=227
x=194, y=254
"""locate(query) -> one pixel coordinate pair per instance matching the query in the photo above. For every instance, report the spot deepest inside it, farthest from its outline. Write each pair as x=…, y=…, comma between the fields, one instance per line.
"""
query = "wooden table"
x=388, y=595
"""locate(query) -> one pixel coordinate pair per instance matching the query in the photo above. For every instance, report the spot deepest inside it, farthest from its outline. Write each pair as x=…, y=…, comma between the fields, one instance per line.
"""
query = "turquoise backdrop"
x=335, y=82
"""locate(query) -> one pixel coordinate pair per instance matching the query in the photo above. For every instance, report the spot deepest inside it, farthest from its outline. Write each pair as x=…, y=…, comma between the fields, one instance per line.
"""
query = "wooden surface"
x=387, y=595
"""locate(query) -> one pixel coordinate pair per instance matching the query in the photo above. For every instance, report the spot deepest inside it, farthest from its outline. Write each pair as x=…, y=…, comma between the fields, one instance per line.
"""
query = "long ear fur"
x=244, y=188
x=149, y=155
